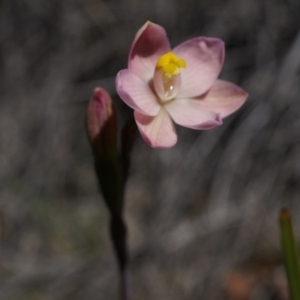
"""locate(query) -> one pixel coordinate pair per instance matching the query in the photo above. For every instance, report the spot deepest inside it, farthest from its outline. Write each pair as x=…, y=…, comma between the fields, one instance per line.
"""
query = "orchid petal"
x=204, y=58
x=223, y=97
x=190, y=113
x=158, y=131
x=136, y=93
x=150, y=43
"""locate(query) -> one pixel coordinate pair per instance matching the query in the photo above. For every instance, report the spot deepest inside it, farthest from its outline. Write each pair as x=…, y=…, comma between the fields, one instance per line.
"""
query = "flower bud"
x=101, y=125
x=102, y=131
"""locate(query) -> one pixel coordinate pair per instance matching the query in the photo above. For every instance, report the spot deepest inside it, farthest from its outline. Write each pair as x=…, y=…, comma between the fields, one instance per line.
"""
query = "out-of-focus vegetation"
x=203, y=215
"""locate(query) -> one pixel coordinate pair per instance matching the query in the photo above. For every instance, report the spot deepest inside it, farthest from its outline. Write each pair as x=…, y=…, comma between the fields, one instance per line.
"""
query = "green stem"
x=290, y=254
x=118, y=235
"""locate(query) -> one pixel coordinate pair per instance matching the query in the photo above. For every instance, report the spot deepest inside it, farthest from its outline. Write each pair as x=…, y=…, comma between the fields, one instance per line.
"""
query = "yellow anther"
x=170, y=63
x=181, y=63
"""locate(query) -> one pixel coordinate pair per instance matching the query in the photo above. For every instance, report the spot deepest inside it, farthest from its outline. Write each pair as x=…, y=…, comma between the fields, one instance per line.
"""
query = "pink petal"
x=190, y=113
x=204, y=58
x=150, y=43
x=159, y=131
x=224, y=98
x=136, y=93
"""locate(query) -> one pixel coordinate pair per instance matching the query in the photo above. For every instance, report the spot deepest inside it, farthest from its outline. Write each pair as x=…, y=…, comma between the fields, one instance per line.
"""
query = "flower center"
x=170, y=64
x=167, y=79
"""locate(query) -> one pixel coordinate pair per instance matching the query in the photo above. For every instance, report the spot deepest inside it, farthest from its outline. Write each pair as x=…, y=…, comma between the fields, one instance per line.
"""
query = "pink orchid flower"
x=180, y=85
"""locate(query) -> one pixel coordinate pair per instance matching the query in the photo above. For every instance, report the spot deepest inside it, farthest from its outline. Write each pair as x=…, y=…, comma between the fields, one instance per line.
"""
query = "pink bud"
x=101, y=124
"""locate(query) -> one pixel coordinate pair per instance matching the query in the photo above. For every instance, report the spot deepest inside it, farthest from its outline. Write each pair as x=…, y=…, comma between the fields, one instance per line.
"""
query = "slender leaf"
x=290, y=254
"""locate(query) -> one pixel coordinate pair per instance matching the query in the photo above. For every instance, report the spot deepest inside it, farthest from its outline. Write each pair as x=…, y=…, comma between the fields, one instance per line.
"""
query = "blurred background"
x=202, y=216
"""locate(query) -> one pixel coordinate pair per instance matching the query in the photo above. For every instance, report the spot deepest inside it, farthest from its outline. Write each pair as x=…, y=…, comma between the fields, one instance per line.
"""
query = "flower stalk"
x=128, y=138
